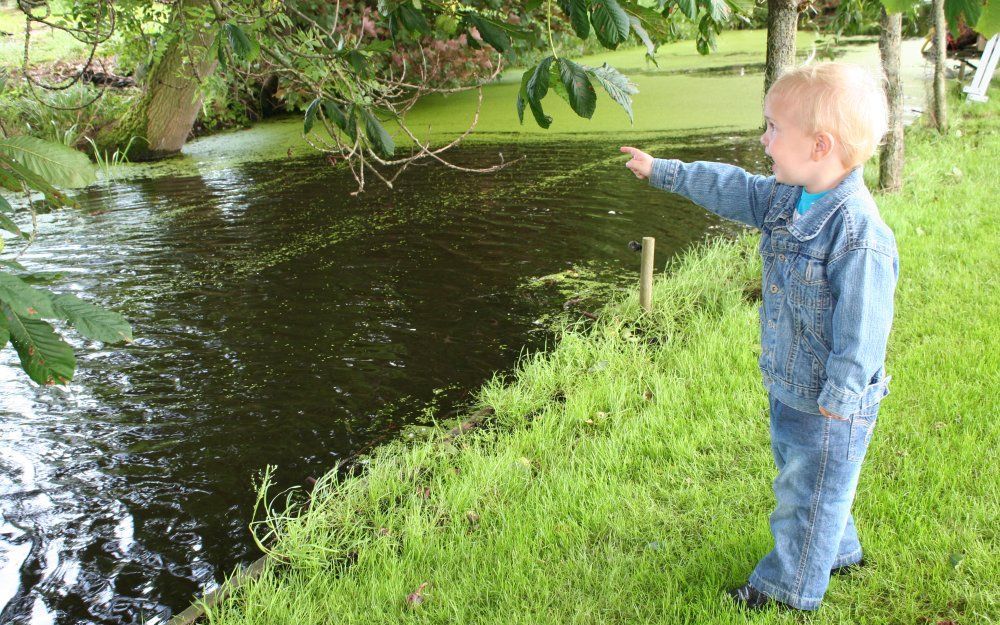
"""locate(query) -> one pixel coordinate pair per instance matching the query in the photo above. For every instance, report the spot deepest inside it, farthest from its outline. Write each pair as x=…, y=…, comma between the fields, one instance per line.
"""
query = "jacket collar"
x=808, y=225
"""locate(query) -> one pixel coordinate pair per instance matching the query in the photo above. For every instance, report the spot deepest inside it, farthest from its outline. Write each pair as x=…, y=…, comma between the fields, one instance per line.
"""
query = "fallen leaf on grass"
x=416, y=597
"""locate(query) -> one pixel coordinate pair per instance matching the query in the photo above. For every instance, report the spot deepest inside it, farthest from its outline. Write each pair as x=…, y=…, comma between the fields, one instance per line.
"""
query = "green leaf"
x=989, y=20
x=490, y=32
x=45, y=357
x=579, y=18
x=57, y=164
x=21, y=173
x=538, y=84
x=4, y=332
x=92, y=321
x=412, y=19
x=689, y=8
x=582, y=97
x=5, y=206
x=617, y=85
x=13, y=264
x=719, y=10
x=377, y=135
x=25, y=300
x=641, y=33
x=954, y=9
x=6, y=223
x=541, y=118
x=242, y=47
x=655, y=24
x=335, y=114
x=310, y=116
x=8, y=180
x=220, y=51
x=610, y=22
x=743, y=7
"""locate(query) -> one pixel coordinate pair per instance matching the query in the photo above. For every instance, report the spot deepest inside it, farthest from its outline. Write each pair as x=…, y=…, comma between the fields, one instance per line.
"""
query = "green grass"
x=626, y=476
x=47, y=44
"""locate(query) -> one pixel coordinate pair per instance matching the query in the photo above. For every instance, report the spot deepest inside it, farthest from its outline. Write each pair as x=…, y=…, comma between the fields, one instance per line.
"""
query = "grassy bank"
x=626, y=475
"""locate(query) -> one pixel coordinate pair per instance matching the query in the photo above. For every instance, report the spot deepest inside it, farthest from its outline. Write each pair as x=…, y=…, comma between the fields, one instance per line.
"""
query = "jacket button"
x=781, y=257
x=774, y=288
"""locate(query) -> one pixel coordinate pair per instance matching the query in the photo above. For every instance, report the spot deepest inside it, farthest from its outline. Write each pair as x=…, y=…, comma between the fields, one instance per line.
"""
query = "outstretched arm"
x=726, y=190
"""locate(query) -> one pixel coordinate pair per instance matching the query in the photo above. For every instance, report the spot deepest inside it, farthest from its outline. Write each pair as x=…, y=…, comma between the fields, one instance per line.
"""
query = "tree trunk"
x=940, y=109
x=782, y=22
x=162, y=121
x=890, y=173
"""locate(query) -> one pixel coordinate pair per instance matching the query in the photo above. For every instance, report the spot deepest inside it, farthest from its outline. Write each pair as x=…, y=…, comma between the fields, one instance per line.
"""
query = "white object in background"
x=984, y=72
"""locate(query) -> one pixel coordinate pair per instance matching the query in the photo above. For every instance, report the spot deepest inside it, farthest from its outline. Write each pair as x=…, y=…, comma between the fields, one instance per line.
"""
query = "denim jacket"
x=828, y=281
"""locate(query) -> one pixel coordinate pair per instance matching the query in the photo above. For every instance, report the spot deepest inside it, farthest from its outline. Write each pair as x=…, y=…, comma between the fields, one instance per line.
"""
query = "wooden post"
x=646, y=274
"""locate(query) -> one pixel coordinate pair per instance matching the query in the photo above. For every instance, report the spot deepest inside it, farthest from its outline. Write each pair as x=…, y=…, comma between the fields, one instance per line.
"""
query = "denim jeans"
x=819, y=461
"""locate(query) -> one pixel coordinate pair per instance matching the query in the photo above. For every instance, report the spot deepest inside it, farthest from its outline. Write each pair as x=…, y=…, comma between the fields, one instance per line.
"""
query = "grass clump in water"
x=626, y=477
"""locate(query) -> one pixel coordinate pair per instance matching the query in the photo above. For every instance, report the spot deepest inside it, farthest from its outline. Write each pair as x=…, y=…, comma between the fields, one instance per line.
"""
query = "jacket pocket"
x=864, y=419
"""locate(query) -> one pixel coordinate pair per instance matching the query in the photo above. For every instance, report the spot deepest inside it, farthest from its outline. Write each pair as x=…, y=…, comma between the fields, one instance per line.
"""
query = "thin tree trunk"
x=890, y=174
x=940, y=110
x=162, y=121
x=782, y=22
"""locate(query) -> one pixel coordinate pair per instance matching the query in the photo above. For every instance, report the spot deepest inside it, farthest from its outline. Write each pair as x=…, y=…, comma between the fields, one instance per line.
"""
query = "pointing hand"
x=641, y=163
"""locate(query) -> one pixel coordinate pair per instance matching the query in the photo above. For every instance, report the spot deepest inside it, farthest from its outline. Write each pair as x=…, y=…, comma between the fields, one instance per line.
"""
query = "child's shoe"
x=847, y=569
x=746, y=596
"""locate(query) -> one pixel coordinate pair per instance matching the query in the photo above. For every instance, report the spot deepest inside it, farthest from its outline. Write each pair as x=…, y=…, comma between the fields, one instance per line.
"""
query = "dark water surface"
x=281, y=321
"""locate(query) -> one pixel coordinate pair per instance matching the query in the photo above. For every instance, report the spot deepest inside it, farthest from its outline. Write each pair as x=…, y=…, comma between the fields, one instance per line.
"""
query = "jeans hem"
x=847, y=560
x=779, y=594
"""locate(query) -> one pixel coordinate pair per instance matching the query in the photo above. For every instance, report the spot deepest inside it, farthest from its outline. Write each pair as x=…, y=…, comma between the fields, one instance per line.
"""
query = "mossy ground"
x=626, y=475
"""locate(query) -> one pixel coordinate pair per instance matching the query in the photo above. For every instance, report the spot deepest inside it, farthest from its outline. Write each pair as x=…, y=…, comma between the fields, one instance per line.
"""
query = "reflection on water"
x=280, y=321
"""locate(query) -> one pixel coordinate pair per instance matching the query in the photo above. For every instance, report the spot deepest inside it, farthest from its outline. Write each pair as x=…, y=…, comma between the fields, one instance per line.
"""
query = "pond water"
x=280, y=321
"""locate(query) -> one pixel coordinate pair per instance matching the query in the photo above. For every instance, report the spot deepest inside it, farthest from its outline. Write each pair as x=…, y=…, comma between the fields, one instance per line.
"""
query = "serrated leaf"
x=956, y=9
x=610, y=22
x=718, y=10
x=242, y=47
x=12, y=264
x=335, y=114
x=989, y=20
x=6, y=223
x=538, y=84
x=579, y=17
x=377, y=135
x=57, y=164
x=45, y=357
x=743, y=7
x=689, y=8
x=655, y=24
x=412, y=19
x=541, y=118
x=21, y=173
x=641, y=33
x=490, y=32
x=310, y=115
x=582, y=97
x=23, y=299
x=617, y=85
x=92, y=321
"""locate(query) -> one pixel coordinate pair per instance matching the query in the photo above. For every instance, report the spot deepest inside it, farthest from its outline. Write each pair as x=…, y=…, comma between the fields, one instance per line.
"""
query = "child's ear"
x=823, y=145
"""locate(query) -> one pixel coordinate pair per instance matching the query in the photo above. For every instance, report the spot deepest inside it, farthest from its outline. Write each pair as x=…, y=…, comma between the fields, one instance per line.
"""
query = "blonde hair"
x=843, y=99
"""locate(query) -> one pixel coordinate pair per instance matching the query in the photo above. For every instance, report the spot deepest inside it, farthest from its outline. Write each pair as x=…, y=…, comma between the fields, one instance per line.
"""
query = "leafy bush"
x=30, y=164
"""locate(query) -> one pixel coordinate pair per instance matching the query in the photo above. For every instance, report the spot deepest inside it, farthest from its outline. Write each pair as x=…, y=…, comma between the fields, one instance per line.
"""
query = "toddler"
x=830, y=269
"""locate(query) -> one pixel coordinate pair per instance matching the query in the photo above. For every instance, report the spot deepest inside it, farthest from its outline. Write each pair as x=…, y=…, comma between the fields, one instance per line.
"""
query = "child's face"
x=791, y=149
